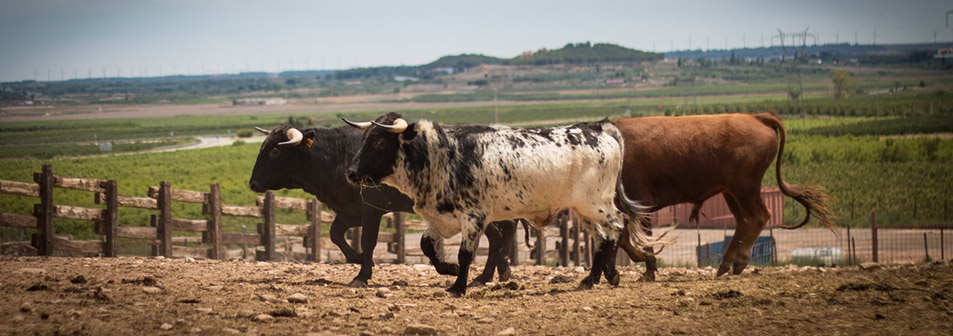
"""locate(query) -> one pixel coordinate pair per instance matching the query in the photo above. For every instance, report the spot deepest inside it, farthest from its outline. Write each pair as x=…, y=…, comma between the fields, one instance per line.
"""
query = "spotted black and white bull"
x=462, y=177
x=315, y=159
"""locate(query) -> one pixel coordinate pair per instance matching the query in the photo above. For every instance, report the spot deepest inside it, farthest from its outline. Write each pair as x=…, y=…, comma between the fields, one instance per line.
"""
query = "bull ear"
x=309, y=136
x=409, y=134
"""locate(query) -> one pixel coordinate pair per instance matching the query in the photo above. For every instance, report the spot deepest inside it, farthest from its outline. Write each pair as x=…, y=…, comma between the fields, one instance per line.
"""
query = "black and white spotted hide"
x=462, y=177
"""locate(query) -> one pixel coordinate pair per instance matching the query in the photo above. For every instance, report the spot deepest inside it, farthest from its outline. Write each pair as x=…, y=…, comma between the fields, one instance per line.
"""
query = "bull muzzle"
x=351, y=176
x=255, y=186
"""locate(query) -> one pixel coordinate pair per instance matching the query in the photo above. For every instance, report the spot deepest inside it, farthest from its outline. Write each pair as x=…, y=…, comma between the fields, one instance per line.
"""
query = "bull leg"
x=729, y=256
x=494, y=236
x=429, y=246
x=500, y=235
x=338, y=230
x=646, y=254
x=468, y=245
x=598, y=258
x=371, y=227
x=756, y=215
x=610, y=272
x=508, y=231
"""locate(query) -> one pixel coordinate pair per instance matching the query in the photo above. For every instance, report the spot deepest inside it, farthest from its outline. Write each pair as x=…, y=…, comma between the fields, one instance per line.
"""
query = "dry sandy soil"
x=136, y=295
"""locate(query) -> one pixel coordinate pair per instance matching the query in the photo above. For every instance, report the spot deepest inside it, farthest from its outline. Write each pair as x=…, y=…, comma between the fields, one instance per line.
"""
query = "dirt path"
x=301, y=106
x=133, y=295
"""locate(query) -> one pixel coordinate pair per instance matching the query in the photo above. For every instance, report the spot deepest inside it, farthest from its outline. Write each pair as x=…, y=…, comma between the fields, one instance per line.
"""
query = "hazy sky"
x=56, y=40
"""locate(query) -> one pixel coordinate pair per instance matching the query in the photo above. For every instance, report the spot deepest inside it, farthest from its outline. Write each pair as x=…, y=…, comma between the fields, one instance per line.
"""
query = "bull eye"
x=274, y=152
x=379, y=143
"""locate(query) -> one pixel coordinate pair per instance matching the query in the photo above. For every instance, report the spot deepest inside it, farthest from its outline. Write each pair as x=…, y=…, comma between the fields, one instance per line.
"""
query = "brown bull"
x=671, y=160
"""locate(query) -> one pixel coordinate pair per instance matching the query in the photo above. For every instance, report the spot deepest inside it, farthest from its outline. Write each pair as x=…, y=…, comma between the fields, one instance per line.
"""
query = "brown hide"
x=671, y=160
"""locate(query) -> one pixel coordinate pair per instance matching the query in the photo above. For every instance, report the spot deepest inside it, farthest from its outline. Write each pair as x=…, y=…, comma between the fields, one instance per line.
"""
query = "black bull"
x=316, y=162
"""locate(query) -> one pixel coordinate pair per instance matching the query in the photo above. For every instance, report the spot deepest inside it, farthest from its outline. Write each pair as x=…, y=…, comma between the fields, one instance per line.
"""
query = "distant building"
x=445, y=70
x=259, y=101
x=354, y=83
x=406, y=78
x=616, y=81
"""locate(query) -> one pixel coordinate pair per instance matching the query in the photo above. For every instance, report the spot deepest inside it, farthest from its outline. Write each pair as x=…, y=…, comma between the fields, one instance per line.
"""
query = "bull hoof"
x=505, y=276
x=613, y=279
x=477, y=283
x=647, y=277
x=584, y=285
x=722, y=270
x=457, y=291
x=738, y=268
x=447, y=269
x=357, y=283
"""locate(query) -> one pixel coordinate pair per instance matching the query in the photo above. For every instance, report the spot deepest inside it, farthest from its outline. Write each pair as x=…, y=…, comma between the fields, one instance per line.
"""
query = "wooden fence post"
x=355, y=234
x=850, y=251
x=44, y=211
x=576, y=253
x=587, y=257
x=873, y=233
x=164, y=221
x=541, y=247
x=515, y=246
x=314, y=230
x=853, y=247
x=110, y=219
x=399, y=228
x=564, y=243
x=926, y=248
x=268, y=229
x=213, y=232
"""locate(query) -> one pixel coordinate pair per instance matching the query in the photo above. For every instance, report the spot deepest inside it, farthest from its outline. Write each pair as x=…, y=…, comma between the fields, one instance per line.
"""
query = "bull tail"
x=637, y=213
x=526, y=232
x=813, y=197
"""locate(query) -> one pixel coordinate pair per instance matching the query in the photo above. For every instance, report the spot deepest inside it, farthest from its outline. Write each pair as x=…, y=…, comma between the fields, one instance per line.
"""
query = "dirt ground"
x=138, y=295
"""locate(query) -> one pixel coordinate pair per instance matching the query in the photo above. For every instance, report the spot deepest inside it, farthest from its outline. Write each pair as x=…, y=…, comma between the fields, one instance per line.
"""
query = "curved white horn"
x=294, y=137
x=399, y=126
x=262, y=130
x=357, y=125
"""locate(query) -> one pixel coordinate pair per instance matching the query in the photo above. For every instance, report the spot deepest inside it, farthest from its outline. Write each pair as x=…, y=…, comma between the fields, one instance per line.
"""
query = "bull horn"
x=357, y=125
x=294, y=137
x=262, y=130
x=399, y=126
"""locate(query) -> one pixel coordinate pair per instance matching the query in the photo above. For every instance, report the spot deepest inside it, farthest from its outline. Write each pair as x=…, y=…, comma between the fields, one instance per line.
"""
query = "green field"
x=897, y=177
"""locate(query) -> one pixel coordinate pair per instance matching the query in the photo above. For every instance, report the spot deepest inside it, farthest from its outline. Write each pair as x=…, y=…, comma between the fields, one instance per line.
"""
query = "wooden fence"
x=572, y=246
x=160, y=232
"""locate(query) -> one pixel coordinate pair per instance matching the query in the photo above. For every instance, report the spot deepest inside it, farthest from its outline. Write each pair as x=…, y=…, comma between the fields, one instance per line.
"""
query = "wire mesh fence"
x=813, y=246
